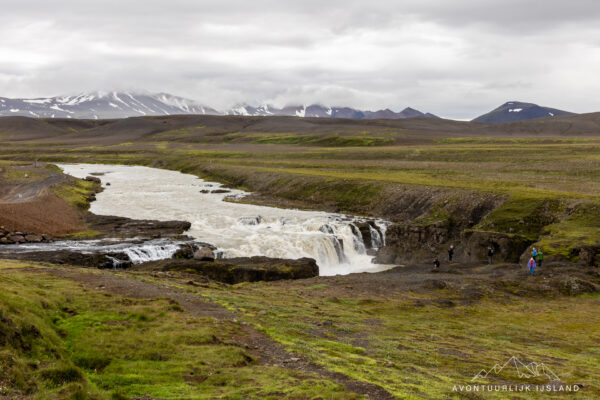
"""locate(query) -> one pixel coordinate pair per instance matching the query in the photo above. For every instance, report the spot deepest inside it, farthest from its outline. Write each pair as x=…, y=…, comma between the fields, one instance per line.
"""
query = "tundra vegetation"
x=530, y=185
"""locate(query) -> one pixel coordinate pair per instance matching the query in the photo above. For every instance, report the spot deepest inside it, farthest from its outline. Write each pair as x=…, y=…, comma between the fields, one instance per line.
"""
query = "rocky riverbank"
x=16, y=237
x=237, y=270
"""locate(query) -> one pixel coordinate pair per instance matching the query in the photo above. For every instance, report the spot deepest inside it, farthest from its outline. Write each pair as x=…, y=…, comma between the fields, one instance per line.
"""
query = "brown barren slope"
x=45, y=214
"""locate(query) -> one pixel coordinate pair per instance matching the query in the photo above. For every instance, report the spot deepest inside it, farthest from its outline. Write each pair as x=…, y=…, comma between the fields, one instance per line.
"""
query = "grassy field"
x=61, y=339
x=362, y=176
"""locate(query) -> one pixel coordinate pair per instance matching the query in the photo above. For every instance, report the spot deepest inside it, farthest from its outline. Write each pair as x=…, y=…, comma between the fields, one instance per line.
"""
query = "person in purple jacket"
x=531, y=265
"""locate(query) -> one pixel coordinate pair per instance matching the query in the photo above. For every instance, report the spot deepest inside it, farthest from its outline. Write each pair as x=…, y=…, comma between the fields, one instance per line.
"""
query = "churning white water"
x=237, y=230
x=138, y=252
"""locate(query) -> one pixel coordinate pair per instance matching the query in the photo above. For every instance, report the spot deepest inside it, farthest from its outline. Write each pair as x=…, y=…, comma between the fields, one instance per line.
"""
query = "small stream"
x=237, y=230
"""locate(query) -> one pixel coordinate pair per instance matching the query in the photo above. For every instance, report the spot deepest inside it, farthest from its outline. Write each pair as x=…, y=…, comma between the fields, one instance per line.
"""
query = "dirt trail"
x=266, y=350
x=30, y=191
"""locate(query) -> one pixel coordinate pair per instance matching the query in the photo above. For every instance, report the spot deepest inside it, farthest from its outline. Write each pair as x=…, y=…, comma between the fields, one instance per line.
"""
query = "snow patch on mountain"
x=106, y=105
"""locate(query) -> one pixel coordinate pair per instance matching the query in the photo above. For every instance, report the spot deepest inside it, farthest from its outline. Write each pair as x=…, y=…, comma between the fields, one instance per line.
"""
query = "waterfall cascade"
x=335, y=241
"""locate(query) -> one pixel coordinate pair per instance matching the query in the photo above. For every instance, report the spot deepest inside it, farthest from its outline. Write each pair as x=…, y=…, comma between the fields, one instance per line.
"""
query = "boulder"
x=204, y=254
x=34, y=238
x=186, y=251
x=16, y=238
x=90, y=178
x=574, y=286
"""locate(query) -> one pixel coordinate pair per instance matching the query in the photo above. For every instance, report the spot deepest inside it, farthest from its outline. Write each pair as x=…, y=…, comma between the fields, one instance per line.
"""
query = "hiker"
x=436, y=264
x=534, y=253
x=540, y=258
x=450, y=252
x=531, y=265
x=490, y=255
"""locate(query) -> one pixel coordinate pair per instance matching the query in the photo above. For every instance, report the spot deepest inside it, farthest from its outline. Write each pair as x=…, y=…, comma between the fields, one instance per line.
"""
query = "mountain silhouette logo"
x=531, y=370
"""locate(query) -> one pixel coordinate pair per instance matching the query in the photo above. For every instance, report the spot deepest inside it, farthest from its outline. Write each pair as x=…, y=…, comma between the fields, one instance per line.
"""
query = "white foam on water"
x=238, y=230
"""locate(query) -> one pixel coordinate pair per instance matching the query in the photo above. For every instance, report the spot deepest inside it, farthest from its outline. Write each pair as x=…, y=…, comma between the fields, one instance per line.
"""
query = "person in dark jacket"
x=490, y=255
x=450, y=252
x=436, y=264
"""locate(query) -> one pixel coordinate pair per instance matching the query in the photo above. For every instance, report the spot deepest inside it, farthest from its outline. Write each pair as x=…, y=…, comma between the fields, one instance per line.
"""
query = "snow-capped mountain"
x=319, y=111
x=106, y=105
x=102, y=105
x=514, y=111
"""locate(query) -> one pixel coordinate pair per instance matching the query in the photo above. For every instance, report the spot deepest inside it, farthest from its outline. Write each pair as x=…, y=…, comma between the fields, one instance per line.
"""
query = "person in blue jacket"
x=534, y=253
x=531, y=265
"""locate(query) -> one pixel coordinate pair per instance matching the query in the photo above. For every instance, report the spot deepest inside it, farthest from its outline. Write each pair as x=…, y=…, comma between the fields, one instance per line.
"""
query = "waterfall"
x=377, y=240
x=150, y=252
x=235, y=229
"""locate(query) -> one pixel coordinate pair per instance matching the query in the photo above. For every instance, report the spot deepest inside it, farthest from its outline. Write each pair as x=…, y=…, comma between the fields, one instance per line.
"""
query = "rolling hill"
x=514, y=111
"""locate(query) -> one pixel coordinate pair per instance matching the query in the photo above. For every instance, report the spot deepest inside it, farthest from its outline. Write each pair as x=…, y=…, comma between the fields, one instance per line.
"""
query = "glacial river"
x=237, y=230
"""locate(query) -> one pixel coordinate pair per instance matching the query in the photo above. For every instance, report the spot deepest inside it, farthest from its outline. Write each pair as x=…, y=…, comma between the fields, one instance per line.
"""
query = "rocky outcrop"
x=574, y=286
x=436, y=224
x=69, y=257
x=111, y=226
x=17, y=237
x=507, y=247
x=583, y=255
x=243, y=269
x=408, y=243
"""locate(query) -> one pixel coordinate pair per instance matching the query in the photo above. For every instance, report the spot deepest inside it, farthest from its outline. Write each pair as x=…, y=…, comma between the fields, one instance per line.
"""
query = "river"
x=236, y=229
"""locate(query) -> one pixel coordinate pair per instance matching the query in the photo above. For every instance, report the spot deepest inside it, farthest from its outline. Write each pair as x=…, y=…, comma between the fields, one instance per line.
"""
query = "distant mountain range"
x=515, y=111
x=113, y=105
x=107, y=105
x=319, y=111
x=101, y=105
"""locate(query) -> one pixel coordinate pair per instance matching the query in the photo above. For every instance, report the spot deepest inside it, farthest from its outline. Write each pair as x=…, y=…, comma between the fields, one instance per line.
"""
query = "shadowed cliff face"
x=510, y=226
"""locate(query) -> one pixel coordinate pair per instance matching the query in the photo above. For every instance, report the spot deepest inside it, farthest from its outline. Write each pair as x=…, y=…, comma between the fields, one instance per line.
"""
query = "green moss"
x=421, y=352
x=89, y=234
x=53, y=168
x=525, y=216
x=580, y=229
x=86, y=344
x=76, y=192
x=61, y=376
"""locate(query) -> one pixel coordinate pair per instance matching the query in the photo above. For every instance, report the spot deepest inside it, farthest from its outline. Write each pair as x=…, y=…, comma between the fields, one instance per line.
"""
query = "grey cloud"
x=456, y=59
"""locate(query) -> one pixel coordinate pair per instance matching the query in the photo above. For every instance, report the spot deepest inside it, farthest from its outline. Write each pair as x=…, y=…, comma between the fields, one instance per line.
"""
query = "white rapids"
x=237, y=230
x=138, y=252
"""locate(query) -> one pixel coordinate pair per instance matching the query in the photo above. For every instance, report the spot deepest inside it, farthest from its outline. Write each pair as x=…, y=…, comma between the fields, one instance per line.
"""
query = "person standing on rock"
x=540, y=258
x=490, y=255
x=450, y=252
x=531, y=265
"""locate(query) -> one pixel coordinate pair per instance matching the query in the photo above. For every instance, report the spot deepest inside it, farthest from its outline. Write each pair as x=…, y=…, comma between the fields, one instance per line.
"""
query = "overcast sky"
x=457, y=59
